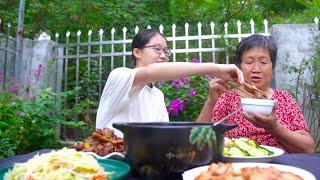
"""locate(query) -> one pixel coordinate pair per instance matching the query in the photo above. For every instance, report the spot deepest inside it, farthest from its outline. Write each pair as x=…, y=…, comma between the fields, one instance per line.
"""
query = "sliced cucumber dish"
x=243, y=147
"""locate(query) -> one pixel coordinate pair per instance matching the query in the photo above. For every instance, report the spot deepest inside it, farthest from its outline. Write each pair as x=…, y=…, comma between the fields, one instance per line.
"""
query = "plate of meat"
x=247, y=171
x=102, y=144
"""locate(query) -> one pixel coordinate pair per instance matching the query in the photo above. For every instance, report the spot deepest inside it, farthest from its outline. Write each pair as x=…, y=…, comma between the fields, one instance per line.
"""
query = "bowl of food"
x=262, y=106
x=165, y=150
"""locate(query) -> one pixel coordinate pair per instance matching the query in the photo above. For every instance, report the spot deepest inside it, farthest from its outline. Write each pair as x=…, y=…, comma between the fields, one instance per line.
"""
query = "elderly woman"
x=285, y=127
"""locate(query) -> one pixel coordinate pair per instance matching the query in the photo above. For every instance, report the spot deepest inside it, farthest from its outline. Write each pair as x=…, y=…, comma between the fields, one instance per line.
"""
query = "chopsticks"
x=236, y=85
x=226, y=117
x=256, y=89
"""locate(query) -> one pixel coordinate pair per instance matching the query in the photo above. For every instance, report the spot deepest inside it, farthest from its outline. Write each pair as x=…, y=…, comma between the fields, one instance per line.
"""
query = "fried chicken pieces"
x=225, y=171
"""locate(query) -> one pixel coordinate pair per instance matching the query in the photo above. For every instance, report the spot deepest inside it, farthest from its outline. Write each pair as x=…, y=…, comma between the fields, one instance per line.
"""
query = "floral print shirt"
x=288, y=113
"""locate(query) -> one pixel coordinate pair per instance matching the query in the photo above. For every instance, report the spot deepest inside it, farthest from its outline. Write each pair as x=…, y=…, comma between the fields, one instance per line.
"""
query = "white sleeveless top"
x=121, y=102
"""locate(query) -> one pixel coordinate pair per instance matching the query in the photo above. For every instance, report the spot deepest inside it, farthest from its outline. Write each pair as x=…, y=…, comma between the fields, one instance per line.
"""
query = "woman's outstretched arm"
x=174, y=70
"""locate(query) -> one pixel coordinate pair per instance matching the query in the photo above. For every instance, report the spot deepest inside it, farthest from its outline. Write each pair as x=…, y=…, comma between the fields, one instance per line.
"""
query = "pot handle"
x=225, y=127
x=120, y=126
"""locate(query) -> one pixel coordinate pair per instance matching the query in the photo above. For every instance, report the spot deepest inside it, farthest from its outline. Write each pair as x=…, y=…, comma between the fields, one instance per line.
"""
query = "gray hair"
x=257, y=40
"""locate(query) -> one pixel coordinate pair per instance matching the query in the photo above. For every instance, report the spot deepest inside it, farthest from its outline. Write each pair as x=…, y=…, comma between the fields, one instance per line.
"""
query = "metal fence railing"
x=112, y=53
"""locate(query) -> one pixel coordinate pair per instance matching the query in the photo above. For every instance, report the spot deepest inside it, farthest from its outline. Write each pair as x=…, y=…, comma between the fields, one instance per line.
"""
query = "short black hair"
x=141, y=39
x=257, y=40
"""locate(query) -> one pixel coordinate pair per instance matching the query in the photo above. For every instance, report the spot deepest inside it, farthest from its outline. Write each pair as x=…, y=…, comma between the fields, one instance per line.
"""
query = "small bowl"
x=262, y=106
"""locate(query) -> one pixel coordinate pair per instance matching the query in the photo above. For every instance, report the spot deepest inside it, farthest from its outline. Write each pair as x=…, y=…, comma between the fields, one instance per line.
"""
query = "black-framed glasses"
x=158, y=49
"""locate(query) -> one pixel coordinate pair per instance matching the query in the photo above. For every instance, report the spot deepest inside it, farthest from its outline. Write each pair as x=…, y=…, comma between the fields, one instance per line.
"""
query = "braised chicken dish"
x=225, y=171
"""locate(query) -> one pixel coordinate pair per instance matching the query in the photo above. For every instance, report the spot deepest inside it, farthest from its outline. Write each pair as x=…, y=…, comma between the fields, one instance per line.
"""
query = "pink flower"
x=186, y=101
x=184, y=79
x=195, y=60
x=26, y=96
x=175, y=83
x=193, y=93
x=14, y=87
x=175, y=106
x=37, y=72
x=168, y=109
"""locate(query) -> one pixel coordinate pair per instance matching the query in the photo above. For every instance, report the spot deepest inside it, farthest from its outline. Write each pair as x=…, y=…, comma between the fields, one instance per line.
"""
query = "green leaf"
x=48, y=132
x=202, y=136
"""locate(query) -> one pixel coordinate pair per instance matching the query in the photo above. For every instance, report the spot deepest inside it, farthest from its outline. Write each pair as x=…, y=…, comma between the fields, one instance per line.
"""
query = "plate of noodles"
x=64, y=164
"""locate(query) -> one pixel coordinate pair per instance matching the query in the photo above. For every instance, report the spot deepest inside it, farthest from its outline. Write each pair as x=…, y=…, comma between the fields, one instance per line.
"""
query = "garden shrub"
x=28, y=120
x=185, y=97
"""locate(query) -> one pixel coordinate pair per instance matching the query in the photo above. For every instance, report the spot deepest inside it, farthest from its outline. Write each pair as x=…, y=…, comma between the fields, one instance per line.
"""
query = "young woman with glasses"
x=129, y=96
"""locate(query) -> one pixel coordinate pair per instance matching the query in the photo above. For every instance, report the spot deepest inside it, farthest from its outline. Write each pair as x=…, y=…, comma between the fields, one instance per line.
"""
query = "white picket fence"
x=123, y=50
x=119, y=50
x=172, y=41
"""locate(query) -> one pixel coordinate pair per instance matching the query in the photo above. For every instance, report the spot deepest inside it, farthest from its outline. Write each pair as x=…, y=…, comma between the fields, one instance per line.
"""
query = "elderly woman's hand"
x=267, y=122
x=216, y=88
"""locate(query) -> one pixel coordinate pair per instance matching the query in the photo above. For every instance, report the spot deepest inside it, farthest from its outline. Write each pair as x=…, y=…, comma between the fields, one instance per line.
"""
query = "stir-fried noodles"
x=62, y=164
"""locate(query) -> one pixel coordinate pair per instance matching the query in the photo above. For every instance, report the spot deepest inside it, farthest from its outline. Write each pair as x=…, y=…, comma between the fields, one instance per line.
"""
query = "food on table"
x=243, y=147
x=101, y=142
x=226, y=171
x=61, y=164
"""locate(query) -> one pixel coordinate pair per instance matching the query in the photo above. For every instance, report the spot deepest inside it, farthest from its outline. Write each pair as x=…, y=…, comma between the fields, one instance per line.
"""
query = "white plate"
x=114, y=155
x=306, y=175
x=260, y=159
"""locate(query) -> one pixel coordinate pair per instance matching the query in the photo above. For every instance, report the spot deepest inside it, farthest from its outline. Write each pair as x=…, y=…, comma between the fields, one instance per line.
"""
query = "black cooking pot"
x=160, y=149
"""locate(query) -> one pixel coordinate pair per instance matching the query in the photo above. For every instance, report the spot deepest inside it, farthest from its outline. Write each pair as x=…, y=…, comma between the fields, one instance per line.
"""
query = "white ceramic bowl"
x=262, y=106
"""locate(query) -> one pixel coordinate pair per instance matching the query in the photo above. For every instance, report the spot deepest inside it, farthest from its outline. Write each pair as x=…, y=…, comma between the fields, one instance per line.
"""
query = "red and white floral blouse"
x=288, y=113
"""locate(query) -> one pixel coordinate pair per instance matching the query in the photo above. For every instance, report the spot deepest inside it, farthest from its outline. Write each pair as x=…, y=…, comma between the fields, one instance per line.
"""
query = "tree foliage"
x=61, y=16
